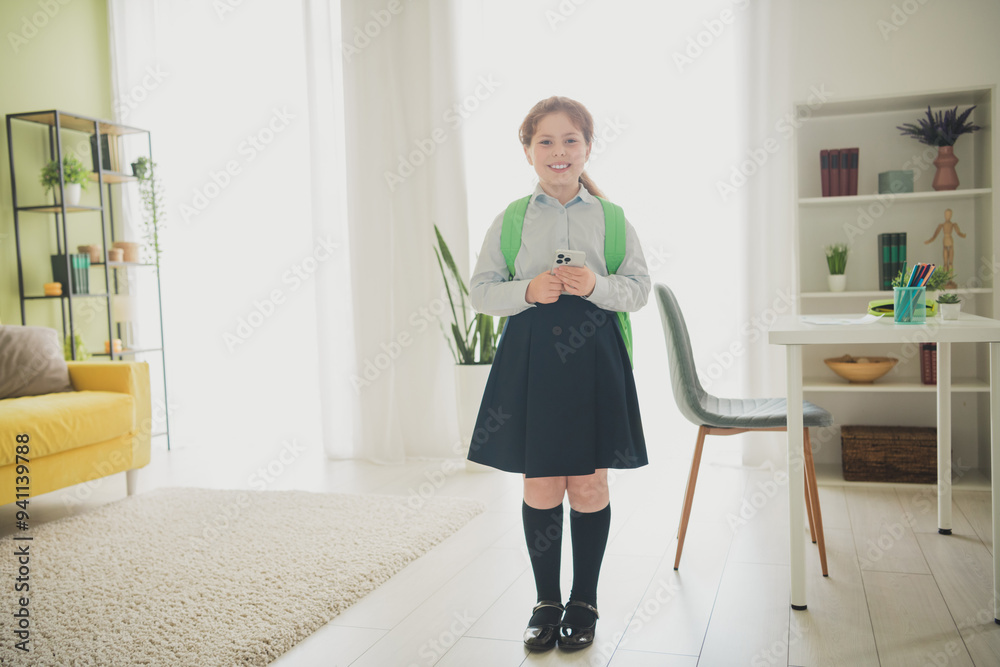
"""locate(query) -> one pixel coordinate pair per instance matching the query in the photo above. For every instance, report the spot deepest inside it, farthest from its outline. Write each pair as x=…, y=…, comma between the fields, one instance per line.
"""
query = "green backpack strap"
x=614, y=254
x=614, y=248
x=510, y=234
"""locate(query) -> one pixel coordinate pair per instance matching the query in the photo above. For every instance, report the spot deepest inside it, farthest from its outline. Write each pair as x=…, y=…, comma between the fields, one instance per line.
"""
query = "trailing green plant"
x=938, y=279
x=467, y=335
x=73, y=172
x=836, y=258
x=151, y=192
x=948, y=297
x=940, y=129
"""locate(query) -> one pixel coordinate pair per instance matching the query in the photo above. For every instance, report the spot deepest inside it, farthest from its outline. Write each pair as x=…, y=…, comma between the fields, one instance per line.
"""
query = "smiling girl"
x=560, y=405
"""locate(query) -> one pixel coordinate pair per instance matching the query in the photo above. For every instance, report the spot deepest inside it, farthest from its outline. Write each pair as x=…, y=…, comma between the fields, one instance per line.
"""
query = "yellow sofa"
x=101, y=428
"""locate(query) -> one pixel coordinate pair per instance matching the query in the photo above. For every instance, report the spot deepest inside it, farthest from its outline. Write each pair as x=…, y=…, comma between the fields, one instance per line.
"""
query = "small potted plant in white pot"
x=950, y=305
x=75, y=178
x=836, y=261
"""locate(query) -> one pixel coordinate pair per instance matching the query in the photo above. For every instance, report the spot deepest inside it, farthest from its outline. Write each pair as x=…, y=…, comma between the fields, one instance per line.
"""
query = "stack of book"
x=838, y=170
x=79, y=278
x=891, y=257
x=110, y=152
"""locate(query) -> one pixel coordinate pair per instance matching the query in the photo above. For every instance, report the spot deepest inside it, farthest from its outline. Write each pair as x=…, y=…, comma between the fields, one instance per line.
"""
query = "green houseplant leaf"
x=467, y=336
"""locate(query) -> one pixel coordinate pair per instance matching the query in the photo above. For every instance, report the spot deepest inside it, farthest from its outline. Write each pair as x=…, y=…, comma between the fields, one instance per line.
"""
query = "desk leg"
x=995, y=469
x=796, y=489
x=944, y=437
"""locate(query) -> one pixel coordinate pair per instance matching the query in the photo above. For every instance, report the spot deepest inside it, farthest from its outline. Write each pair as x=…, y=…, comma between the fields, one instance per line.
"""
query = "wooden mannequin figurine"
x=949, y=244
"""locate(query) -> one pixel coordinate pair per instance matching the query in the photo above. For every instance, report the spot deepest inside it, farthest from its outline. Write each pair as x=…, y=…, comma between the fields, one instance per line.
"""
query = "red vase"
x=945, y=178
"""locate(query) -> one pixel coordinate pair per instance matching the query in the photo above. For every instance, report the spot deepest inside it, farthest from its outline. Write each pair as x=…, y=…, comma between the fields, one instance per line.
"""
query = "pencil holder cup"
x=909, y=305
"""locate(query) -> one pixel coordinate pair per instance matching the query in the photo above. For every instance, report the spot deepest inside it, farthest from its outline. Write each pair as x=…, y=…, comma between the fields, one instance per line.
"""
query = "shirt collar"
x=582, y=196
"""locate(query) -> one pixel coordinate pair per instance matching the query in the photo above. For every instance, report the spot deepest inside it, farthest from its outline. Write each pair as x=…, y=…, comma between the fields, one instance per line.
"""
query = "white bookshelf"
x=870, y=124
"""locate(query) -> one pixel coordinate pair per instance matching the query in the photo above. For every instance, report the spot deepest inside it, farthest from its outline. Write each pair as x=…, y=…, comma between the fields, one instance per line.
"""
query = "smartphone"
x=568, y=258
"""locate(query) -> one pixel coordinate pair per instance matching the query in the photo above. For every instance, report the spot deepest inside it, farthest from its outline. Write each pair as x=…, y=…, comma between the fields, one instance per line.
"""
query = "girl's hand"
x=578, y=280
x=543, y=288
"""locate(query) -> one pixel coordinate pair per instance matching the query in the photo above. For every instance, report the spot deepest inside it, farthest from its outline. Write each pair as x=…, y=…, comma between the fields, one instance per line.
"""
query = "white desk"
x=791, y=332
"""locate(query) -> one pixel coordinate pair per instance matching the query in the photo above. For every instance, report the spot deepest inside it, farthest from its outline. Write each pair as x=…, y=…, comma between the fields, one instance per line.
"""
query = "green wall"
x=53, y=56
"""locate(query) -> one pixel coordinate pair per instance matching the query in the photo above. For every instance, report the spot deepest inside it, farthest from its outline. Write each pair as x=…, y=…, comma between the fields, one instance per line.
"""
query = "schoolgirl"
x=560, y=405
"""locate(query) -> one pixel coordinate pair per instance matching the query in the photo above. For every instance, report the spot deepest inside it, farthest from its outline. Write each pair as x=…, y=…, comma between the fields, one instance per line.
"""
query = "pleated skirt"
x=560, y=398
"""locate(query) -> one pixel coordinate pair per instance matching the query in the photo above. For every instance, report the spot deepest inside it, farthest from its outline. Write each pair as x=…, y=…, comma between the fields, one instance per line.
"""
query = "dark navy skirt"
x=560, y=399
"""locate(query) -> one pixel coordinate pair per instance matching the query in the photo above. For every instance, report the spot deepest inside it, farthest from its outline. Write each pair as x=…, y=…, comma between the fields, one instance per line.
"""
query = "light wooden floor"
x=898, y=593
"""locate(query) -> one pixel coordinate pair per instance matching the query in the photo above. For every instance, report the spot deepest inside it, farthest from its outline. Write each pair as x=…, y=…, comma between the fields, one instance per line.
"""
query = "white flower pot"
x=470, y=383
x=72, y=194
x=949, y=311
x=837, y=283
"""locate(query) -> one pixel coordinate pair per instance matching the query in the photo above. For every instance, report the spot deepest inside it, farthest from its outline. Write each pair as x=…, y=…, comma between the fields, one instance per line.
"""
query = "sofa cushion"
x=31, y=362
x=62, y=421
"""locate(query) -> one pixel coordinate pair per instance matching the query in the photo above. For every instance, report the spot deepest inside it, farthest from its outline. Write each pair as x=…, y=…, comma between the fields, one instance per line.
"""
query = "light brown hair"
x=577, y=113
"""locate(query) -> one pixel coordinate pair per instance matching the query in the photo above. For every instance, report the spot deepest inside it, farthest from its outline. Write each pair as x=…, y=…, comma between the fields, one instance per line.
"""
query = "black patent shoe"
x=543, y=636
x=574, y=636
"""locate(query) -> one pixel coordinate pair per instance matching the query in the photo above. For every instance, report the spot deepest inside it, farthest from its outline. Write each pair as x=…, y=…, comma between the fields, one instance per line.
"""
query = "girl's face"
x=557, y=152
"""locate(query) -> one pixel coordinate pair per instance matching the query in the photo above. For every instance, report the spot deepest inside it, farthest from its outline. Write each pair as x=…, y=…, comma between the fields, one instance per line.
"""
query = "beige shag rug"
x=186, y=576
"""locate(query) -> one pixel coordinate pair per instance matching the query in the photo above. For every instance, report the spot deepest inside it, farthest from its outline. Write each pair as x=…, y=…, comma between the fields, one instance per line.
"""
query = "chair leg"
x=689, y=493
x=814, y=491
x=809, y=509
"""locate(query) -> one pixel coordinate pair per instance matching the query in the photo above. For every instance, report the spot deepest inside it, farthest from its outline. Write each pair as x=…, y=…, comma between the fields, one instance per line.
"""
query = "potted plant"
x=140, y=167
x=151, y=191
x=75, y=178
x=950, y=305
x=942, y=130
x=472, y=341
x=836, y=261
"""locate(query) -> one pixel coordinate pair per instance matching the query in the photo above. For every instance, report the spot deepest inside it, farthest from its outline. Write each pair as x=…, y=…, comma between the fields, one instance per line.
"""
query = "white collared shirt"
x=548, y=226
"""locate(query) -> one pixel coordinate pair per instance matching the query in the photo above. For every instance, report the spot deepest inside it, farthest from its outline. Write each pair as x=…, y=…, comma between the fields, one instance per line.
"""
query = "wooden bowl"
x=861, y=370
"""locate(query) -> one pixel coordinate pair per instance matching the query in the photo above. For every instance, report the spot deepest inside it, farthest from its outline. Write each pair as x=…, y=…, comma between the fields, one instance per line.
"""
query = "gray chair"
x=730, y=416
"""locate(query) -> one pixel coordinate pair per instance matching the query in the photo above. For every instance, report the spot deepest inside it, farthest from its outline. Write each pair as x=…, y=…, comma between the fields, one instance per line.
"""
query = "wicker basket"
x=889, y=454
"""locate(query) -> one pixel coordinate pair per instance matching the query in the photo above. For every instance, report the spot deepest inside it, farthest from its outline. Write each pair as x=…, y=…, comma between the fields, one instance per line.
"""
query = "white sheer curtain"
x=405, y=175
x=301, y=292
x=246, y=258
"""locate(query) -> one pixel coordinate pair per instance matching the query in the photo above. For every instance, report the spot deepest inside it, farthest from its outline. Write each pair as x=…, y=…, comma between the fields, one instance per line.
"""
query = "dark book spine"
x=883, y=261
x=852, y=172
x=834, y=173
x=824, y=171
x=845, y=159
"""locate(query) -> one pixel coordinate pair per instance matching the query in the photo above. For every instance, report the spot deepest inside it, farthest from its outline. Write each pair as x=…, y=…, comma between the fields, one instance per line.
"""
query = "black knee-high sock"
x=589, y=533
x=543, y=536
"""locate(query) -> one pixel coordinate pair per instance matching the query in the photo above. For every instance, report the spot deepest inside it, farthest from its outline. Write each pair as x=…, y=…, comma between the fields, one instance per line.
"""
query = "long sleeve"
x=628, y=289
x=490, y=291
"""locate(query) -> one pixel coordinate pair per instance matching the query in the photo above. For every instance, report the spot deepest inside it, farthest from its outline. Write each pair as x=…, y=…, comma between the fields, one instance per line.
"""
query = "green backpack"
x=614, y=248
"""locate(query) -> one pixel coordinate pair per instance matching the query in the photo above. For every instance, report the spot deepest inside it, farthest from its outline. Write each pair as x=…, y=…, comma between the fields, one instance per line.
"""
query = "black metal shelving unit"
x=57, y=121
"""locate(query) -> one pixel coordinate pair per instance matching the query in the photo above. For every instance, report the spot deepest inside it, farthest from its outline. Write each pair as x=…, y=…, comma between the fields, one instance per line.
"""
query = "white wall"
x=884, y=48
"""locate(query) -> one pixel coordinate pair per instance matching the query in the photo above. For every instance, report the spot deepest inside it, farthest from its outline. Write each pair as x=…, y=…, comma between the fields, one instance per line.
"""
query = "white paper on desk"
x=865, y=319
